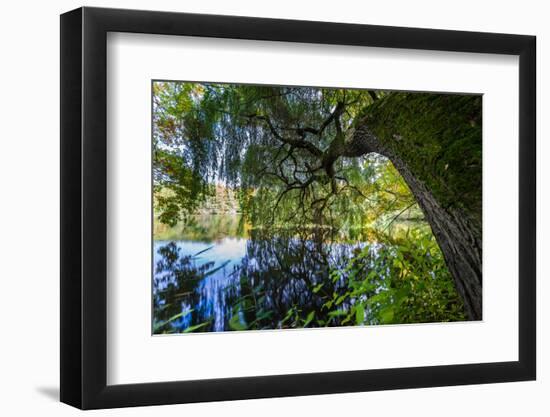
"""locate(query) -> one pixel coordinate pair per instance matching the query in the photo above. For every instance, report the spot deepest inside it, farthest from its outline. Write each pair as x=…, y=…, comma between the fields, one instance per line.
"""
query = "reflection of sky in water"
x=228, y=252
x=227, y=249
x=291, y=266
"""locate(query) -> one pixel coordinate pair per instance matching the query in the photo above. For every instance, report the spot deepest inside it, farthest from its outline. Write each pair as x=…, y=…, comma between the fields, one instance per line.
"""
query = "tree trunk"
x=458, y=236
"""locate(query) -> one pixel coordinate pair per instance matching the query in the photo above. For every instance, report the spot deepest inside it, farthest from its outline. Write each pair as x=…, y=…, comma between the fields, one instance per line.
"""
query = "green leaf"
x=359, y=314
x=318, y=287
x=235, y=323
x=386, y=315
x=158, y=326
x=196, y=327
x=340, y=299
x=309, y=318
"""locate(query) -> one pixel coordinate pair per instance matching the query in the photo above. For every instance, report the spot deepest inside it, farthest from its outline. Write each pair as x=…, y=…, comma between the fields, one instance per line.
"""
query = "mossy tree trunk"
x=458, y=237
x=439, y=157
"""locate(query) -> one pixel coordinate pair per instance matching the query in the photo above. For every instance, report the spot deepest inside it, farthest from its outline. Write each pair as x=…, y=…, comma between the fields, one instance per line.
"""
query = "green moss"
x=439, y=136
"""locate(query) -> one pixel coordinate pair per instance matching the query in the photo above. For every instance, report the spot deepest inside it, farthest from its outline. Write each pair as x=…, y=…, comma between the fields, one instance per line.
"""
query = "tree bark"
x=458, y=236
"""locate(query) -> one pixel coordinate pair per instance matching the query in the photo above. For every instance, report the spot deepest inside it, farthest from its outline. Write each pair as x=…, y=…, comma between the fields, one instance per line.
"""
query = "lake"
x=231, y=278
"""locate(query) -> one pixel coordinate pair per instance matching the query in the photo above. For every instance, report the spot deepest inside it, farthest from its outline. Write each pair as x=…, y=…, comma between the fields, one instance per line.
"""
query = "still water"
x=216, y=283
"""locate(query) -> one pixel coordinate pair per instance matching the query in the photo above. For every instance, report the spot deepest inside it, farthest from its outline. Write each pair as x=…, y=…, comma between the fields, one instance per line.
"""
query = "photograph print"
x=292, y=207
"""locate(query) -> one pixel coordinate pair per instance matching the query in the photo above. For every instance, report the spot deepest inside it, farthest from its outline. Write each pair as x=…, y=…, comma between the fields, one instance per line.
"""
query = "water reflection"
x=235, y=283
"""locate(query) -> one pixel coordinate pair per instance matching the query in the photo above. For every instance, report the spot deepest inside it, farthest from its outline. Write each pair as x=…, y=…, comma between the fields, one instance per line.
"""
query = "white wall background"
x=29, y=219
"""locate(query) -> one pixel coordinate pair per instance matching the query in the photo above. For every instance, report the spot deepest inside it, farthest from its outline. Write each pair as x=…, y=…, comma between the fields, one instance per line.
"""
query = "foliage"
x=439, y=136
x=235, y=134
x=180, y=146
x=175, y=279
x=275, y=165
x=403, y=282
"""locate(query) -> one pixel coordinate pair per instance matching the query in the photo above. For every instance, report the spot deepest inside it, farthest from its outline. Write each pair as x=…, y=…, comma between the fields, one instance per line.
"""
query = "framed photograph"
x=256, y=208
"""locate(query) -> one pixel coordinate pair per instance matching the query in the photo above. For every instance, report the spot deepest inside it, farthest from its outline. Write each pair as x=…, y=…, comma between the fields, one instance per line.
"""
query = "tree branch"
x=398, y=215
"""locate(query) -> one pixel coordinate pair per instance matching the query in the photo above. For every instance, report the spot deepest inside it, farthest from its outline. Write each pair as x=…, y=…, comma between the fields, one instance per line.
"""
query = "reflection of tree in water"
x=286, y=277
x=176, y=280
x=283, y=281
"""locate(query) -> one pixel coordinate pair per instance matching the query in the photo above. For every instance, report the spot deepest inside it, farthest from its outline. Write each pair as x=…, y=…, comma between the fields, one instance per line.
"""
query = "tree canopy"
x=269, y=143
x=331, y=157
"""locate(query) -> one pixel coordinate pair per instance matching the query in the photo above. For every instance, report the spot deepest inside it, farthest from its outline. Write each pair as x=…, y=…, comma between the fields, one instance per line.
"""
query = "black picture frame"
x=84, y=207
